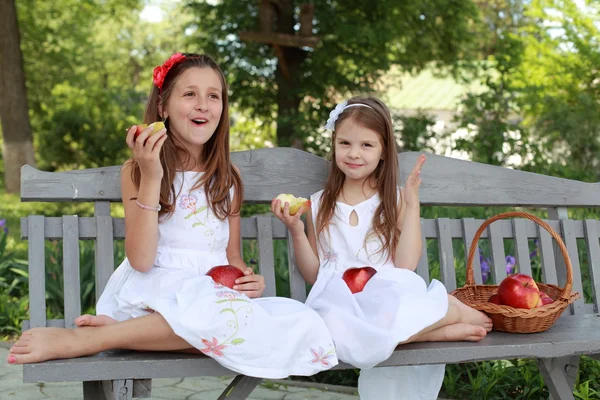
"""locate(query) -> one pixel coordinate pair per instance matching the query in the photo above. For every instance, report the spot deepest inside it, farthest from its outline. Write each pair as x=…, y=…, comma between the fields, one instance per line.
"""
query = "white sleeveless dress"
x=268, y=337
x=394, y=305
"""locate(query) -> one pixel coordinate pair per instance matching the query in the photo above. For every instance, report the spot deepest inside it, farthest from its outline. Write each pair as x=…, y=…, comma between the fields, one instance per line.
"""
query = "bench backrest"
x=268, y=172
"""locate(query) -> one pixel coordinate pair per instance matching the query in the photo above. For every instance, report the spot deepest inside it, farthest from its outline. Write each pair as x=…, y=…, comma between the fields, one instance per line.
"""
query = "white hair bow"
x=335, y=114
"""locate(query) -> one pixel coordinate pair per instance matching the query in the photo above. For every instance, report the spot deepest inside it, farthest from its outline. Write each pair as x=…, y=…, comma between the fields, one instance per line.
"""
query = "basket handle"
x=470, y=277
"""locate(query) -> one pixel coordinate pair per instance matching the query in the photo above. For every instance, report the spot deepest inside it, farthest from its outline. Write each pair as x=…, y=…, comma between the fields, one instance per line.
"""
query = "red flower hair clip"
x=160, y=72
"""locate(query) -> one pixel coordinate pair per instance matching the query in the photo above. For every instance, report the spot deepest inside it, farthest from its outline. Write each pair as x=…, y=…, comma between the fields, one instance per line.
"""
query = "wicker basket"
x=517, y=320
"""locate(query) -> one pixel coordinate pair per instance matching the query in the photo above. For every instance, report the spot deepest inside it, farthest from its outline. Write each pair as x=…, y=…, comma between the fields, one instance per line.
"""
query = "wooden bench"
x=268, y=172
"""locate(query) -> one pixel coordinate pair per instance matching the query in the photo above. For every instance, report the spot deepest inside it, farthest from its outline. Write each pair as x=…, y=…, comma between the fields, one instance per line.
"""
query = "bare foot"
x=470, y=315
x=454, y=333
x=94, y=320
x=41, y=344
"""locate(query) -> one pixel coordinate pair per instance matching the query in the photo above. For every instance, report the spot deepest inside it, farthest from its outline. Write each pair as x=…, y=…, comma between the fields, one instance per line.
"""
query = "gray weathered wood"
x=571, y=243
x=470, y=226
x=71, y=284
x=423, y=265
x=521, y=247
x=240, y=387
x=579, y=334
x=555, y=378
x=447, y=271
x=88, y=228
x=497, y=250
x=104, y=250
x=37, y=271
x=547, y=253
x=593, y=251
x=265, y=254
x=297, y=283
x=448, y=181
x=119, y=389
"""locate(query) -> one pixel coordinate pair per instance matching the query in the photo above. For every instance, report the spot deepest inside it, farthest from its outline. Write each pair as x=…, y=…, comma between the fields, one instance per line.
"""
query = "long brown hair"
x=219, y=174
x=385, y=221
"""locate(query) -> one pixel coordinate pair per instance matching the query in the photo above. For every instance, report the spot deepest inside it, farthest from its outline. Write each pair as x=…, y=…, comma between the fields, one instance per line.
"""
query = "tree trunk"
x=14, y=112
x=290, y=60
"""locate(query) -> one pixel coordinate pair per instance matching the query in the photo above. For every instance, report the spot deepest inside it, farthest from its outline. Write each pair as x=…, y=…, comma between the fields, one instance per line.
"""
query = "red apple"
x=544, y=299
x=519, y=291
x=495, y=298
x=225, y=275
x=156, y=126
x=357, y=278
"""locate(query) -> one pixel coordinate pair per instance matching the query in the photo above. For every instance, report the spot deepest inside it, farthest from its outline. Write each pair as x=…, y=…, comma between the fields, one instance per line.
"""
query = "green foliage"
x=357, y=46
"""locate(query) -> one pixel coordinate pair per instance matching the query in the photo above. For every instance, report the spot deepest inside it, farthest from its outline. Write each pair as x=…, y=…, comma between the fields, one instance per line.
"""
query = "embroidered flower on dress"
x=319, y=357
x=228, y=295
x=188, y=201
x=330, y=256
x=213, y=346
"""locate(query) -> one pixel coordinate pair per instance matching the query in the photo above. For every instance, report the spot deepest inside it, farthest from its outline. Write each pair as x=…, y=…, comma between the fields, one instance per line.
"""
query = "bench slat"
x=497, y=250
x=423, y=265
x=593, y=250
x=547, y=249
x=297, y=283
x=37, y=271
x=571, y=243
x=71, y=284
x=470, y=226
x=447, y=270
x=266, y=264
x=104, y=246
x=521, y=245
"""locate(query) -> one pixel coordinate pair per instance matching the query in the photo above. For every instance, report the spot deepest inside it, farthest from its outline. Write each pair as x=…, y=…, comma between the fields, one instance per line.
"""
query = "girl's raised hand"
x=292, y=222
x=411, y=189
x=146, y=150
x=251, y=284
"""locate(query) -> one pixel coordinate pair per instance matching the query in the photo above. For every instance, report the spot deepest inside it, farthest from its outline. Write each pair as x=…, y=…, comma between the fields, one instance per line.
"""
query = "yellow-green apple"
x=495, y=298
x=519, y=291
x=225, y=275
x=156, y=126
x=357, y=278
x=294, y=202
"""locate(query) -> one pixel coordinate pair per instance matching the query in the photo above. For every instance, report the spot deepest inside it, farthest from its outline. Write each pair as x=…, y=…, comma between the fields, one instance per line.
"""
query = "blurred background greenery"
x=514, y=83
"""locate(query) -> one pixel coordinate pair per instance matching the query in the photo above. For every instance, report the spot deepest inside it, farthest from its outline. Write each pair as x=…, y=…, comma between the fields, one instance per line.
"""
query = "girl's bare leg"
x=41, y=344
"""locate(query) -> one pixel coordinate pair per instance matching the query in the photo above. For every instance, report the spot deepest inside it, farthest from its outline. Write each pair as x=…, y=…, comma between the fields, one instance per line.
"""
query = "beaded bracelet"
x=145, y=207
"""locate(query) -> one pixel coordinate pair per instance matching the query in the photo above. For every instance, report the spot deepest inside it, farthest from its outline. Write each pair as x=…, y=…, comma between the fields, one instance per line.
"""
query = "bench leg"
x=240, y=388
x=560, y=375
x=121, y=389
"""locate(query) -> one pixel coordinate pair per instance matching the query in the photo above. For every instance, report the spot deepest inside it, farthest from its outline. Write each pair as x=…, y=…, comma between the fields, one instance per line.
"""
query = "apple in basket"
x=519, y=291
x=357, y=278
x=156, y=126
x=495, y=298
x=294, y=202
x=544, y=299
x=225, y=275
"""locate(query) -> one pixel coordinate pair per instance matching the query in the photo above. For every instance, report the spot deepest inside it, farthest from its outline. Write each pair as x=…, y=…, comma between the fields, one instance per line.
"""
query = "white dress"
x=268, y=337
x=394, y=305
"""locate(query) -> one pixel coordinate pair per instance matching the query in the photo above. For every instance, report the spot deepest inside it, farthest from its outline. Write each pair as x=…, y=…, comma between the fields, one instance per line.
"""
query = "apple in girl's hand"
x=294, y=202
x=156, y=126
x=519, y=291
x=495, y=298
x=357, y=278
x=544, y=299
x=225, y=275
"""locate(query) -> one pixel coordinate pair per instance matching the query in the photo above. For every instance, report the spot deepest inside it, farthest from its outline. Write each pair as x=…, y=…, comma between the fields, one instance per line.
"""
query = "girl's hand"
x=146, y=150
x=411, y=190
x=251, y=284
x=292, y=222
